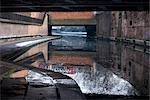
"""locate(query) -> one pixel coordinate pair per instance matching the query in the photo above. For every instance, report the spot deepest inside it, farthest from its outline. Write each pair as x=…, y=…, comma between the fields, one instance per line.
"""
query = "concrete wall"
x=17, y=30
x=124, y=24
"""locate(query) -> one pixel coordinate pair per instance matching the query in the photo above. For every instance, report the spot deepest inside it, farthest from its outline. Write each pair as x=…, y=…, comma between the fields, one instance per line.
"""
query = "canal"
x=100, y=67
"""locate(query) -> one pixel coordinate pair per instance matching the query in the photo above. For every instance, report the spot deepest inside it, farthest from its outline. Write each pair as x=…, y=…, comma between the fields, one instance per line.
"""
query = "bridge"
x=73, y=5
x=86, y=18
x=72, y=18
x=26, y=23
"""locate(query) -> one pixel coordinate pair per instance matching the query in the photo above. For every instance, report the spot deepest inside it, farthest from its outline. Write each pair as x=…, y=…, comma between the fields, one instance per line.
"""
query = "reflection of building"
x=126, y=62
x=135, y=69
x=69, y=69
x=73, y=44
x=63, y=69
x=34, y=50
x=19, y=74
x=70, y=62
x=72, y=58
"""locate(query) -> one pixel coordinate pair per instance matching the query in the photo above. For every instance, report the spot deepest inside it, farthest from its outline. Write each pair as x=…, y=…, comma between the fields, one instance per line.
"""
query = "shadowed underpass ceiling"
x=73, y=5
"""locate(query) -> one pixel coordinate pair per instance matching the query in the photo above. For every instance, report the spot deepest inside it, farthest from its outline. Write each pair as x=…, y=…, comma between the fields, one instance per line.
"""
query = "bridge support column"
x=103, y=24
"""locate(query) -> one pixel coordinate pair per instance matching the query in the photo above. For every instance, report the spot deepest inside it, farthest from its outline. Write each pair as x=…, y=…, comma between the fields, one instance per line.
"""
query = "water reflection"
x=74, y=44
x=37, y=79
x=93, y=75
x=99, y=67
x=126, y=62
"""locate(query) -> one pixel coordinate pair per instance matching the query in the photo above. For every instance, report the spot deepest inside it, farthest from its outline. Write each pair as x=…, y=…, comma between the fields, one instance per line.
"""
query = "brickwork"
x=135, y=25
x=124, y=24
x=127, y=63
x=71, y=15
x=72, y=18
x=69, y=59
x=17, y=30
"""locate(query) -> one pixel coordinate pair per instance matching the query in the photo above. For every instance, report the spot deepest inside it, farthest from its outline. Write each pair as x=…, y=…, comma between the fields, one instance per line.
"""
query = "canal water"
x=98, y=66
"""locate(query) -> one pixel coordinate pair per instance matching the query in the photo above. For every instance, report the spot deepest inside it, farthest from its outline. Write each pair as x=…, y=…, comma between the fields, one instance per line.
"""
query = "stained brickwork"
x=124, y=61
x=134, y=25
x=124, y=24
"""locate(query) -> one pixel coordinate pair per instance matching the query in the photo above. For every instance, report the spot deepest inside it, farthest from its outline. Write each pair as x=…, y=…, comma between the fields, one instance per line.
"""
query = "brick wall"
x=124, y=24
x=17, y=30
x=134, y=24
x=72, y=18
x=71, y=15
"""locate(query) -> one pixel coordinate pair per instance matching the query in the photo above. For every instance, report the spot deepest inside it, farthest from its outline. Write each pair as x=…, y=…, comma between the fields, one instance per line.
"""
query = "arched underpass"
x=112, y=65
